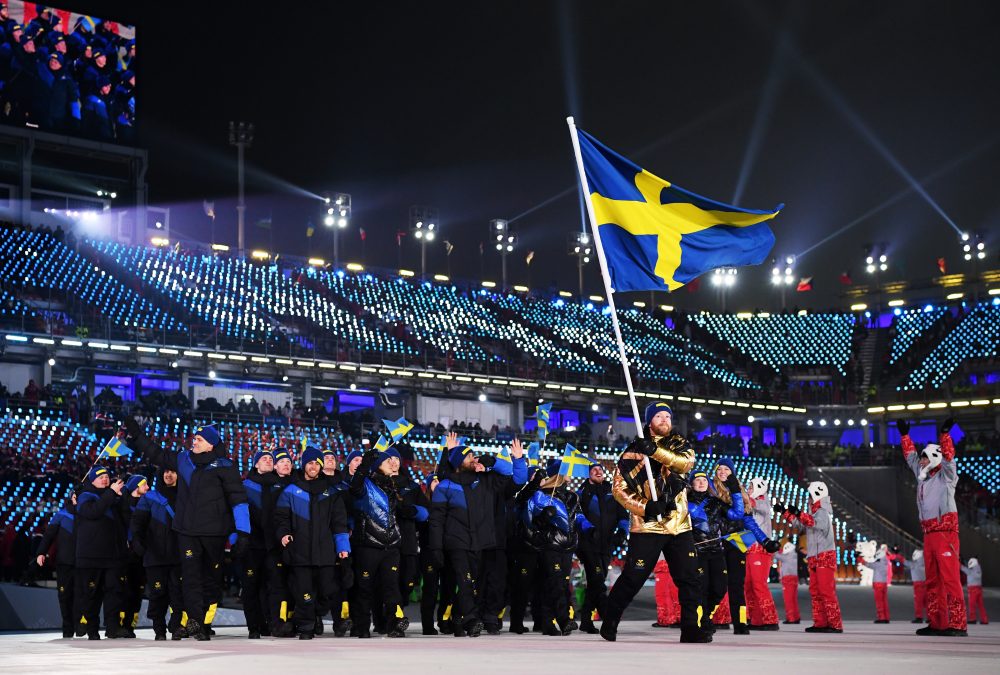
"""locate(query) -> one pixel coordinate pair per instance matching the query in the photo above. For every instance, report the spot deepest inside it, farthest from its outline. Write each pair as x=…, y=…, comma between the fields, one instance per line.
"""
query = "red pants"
x=976, y=604
x=919, y=599
x=881, y=601
x=668, y=607
x=823, y=590
x=790, y=591
x=945, y=600
x=722, y=616
x=760, y=604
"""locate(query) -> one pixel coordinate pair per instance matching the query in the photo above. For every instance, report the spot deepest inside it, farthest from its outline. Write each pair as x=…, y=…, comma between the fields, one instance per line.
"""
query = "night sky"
x=826, y=107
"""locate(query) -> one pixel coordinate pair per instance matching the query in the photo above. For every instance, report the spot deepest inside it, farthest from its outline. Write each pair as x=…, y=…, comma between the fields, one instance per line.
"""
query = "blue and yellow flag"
x=657, y=236
x=504, y=456
x=575, y=464
x=542, y=417
x=303, y=443
x=397, y=429
x=115, y=448
x=741, y=540
x=534, y=454
x=382, y=444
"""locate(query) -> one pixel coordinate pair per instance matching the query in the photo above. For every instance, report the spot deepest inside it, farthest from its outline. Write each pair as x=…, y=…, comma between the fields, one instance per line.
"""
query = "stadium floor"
x=863, y=648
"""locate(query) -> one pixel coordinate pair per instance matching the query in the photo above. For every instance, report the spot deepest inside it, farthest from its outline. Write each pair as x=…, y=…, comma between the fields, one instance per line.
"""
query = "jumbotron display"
x=67, y=73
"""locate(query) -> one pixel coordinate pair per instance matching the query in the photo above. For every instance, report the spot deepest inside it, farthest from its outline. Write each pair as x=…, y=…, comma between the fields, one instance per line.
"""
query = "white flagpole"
x=611, y=299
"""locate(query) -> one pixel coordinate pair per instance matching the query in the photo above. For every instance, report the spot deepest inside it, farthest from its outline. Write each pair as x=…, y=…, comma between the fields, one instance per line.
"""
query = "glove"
x=436, y=558
x=658, y=508
x=549, y=512
x=780, y=508
x=794, y=510
x=771, y=546
x=947, y=425
x=242, y=544
x=646, y=446
x=732, y=483
x=895, y=549
x=487, y=461
x=132, y=426
x=903, y=426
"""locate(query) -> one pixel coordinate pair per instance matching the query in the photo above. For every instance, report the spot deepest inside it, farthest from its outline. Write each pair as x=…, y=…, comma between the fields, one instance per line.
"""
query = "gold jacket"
x=631, y=489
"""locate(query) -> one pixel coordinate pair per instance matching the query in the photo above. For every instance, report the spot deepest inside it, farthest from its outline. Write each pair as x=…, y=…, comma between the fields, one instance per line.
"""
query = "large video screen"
x=67, y=73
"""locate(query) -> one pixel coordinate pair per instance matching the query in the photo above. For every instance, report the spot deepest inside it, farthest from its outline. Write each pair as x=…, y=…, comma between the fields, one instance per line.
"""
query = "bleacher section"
x=985, y=469
x=910, y=325
x=784, y=339
x=35, y=263
x=977, y=336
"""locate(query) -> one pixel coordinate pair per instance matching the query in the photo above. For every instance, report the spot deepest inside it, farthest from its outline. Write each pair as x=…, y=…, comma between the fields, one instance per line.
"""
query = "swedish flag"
x=741, y=540
x=534, y=454
x=542, y=418
x=382, y=444
x=658, y=236
x=115, y=448
x=397, y=429
x=575, y=464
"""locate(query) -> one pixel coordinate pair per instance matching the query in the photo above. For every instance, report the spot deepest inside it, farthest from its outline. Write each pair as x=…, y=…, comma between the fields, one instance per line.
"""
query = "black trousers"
x=94, y=586
x=465, y=564
x=736, y=568
x=201, y=575
x=376, y=576
x=163, y=586
x=309, y=584
x=526, y=572
x=492, y=585
x=279, y=601
x=64, y=585
x=555, y=602
x=409, y=575
x=135, y=581
x=595, y=567
x=438, y=592
x=643, y=552
x=714, y=582
x=256, y=577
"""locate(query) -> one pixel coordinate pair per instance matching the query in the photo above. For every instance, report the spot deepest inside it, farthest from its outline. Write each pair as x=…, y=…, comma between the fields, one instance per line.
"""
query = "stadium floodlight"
x=337, y=214
x=724, y=278
x=240, y=136
x=580, y=245
x=424, y=226
x=506, y=241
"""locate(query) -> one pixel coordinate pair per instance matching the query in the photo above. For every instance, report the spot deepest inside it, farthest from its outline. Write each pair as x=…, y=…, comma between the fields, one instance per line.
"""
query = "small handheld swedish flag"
x=382, y=444
x=542, y=412
x=575, y=464
x=658, y=236
x=397, y=429
x=741, y=540
x=534, y=454
x=115, y=448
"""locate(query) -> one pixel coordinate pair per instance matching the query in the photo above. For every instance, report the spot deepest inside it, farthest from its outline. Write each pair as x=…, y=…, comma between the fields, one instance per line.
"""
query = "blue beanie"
x=328, y=451
x=457, y=455
x=386, y=454
x=134, y=482
x=311, y=454
x=351, y=455
x=280, y=454
x=553, y=466
x=259, y=455
x=725, y=461
x=698, y=474
x=95, y=471
x=209, y=433
x=654, y=408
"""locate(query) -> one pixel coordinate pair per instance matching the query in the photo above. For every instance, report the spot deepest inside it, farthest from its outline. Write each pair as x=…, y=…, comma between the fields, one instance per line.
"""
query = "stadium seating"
x=977, y=336
x=10, y=306
x=984, y=469
x=35, y=262
x=784, y=339
x=910, y=325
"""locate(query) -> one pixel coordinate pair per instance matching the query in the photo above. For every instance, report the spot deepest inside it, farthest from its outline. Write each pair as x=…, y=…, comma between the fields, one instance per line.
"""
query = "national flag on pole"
x=658, y=236
x=382, y=444
x=741, y=540
x=397, y=429
x=310, y=229
x=575, y=464
x=805, y=284
x=845, y=278
x=209, y=208
x=264, y=223
x=115, y=448
x=504, y=456
x=534, y=454
x=542, y=417
x=303, y=443
x=531, y=256
x=942, y=266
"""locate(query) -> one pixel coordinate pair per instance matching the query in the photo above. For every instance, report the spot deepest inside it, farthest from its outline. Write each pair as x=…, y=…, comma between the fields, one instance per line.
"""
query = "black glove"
x=644, y=445
x=436, y=558
x=732, y=483
x=549, y=512
x=903, y=426
x=658, y=508
x=241, y=546
x=407, y=511
x=895, y=549
x=779, y=508
x=132, y=426
x=947, y=425
x=487, y=461
x=771, y=546
x=794, y=510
